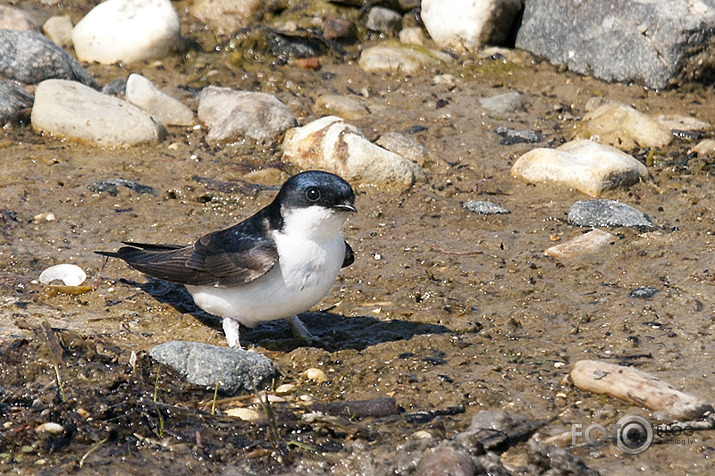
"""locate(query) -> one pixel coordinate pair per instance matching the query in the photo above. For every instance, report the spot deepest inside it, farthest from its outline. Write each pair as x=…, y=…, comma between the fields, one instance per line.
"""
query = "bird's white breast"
x=311, y=251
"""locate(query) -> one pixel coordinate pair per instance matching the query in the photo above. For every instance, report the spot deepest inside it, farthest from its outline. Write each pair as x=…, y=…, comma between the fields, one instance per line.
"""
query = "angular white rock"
x=400, y=59
x=585, y=165
x=127, y=31
x=332, y=144
x=69, y=274
x=587, y=243
x=623, y=127
x=169, y=111
x=465, y=25
x=70, y=109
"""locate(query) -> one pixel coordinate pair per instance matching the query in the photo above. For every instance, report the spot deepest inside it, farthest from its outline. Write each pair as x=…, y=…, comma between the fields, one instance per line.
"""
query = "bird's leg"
x=299, y=329
x=230, y=328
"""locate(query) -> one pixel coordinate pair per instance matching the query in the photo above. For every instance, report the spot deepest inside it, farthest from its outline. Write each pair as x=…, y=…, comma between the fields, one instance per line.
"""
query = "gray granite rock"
x=504, y=103
x=30, y=57
x=650, y=42
x=514, y=136
x=484, y=207
x=203, y=364
x=643, y=292
x=384, y=20
x=610, y=213
x=13, y=99
x=234, y=115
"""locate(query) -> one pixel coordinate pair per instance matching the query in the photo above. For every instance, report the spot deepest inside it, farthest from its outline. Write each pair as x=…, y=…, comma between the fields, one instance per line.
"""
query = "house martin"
x=273, y=265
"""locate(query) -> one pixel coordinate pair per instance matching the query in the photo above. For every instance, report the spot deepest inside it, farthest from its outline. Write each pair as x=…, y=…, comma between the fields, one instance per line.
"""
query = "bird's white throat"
x=313, y=223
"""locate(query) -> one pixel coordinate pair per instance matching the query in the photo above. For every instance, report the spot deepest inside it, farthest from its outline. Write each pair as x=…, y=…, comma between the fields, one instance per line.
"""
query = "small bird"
x=273, y=265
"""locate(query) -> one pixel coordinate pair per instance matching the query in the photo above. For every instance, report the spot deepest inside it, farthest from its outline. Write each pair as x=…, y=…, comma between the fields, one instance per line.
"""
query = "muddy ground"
x=442, y=309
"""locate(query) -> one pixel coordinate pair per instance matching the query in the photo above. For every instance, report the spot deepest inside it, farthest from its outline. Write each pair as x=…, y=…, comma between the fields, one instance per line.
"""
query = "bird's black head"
x=314, y=187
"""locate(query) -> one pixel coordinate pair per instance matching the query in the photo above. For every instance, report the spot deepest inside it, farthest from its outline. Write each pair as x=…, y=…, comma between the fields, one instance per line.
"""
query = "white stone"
x=334, y=145
x=339, y=105
x=59, y=30
x=403, y=59
x=69, y=274
x=705, y=148
x=587, y=166
x=126, y=31
x=70, y=109
x=623, y=127
x=245, y=414
x=169, y=111
x=227, y=16
x=412, y=36
x=466, y=25
x=682, y=123
x=587, y=243
x=234, y=115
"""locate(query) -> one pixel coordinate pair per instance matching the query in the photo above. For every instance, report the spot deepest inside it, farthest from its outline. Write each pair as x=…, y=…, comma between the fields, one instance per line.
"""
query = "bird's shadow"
x=334, y=331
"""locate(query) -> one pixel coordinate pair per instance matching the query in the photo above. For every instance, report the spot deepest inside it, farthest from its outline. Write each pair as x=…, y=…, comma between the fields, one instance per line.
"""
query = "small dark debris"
x=376, y=407
x=643, y=292
x=232, y=186
x=513, y=136
x=425, y=416
x=687, y=135
x=441, y=103
x=111, y=186
x=434, y=360
x=415, y=129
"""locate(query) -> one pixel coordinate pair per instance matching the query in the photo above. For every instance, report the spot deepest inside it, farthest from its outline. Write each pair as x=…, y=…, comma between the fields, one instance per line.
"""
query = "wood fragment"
x=376, y=407
x=637, y=387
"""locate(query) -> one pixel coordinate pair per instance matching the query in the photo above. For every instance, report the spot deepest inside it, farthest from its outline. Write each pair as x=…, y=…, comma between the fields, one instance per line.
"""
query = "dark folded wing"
x=229, y=257
x=349, y=256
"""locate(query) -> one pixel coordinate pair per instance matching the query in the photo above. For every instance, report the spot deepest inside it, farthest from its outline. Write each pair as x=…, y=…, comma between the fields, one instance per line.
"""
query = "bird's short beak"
x=346, y=207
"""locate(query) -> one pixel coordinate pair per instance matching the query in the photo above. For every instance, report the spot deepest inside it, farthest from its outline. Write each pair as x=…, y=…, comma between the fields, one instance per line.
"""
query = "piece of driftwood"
x=637, y=387
x=376, y=407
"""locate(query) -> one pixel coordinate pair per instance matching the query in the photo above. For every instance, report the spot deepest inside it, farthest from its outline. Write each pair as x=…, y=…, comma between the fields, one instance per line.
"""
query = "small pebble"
x=50, y=427
x=588, y=243
x=513, y=136
x=315, y=374
x=504, y=103
x=484, y=207
x=643, y=292
x=285, y=388
x=245, y=414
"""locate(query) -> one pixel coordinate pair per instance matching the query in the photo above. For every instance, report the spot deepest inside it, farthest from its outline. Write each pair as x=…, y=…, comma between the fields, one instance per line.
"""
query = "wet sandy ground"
x=441, y=308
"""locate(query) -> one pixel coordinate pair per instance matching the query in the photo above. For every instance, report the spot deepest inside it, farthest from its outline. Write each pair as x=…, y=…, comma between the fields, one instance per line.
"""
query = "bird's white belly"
x=303, y=276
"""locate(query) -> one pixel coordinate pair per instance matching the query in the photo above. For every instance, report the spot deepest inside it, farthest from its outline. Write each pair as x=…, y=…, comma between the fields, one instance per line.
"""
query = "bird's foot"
x=301, y=332
x=230, y=328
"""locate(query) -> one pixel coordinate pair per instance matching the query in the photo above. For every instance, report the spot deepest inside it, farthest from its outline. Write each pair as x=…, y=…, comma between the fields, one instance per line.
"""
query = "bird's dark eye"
x=312, y=194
